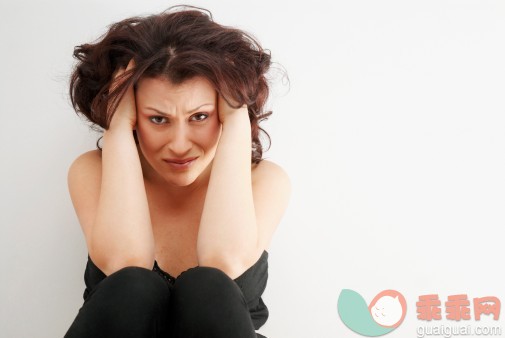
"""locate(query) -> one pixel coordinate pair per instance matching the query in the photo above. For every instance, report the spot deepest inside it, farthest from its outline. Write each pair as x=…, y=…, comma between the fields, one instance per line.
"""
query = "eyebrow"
x=188, y=112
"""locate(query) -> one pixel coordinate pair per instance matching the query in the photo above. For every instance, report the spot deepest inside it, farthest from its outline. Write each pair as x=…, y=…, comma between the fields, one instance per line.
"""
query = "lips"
x=180, y=164
x=179, y=161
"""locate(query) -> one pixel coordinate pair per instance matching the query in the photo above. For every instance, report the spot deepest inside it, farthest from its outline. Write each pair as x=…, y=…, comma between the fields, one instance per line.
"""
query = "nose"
x=180, y=143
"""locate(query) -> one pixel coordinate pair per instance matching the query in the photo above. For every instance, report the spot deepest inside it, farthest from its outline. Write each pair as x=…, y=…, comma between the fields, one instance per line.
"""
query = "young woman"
x=177, y=207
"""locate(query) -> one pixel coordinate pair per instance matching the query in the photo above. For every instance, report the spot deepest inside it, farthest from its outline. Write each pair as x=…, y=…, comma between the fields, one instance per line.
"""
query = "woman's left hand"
x=225, y=110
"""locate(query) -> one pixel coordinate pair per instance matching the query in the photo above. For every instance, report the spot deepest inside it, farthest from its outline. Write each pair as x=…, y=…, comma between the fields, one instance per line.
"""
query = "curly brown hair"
x=177, y=44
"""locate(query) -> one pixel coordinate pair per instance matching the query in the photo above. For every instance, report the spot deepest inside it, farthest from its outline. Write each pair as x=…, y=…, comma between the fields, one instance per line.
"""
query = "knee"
x=131, y=302
x=207, y=301
x=134, y=288
x=207, y=287
x=203, y=277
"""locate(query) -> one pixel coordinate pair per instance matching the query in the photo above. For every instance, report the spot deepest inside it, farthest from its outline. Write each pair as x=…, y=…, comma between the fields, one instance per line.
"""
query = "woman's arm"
x=241, y=211
x=228, y=234
x=122, y=233
x=115, y=216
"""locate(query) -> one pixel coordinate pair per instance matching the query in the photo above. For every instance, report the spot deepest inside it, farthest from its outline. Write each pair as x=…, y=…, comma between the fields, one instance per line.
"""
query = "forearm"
x=122, y=232
x=228, y=232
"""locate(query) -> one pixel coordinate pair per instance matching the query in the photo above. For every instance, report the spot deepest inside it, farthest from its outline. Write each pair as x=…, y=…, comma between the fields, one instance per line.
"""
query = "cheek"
x=210, y=136
x=148, y=139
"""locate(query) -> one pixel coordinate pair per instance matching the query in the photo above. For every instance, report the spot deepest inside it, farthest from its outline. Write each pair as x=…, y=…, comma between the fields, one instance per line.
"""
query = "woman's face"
x=178, y=128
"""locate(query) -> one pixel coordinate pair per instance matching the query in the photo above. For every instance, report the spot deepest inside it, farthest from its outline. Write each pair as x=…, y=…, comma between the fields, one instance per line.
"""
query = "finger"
x=228, y=102
x=120, y=71
x=220, y=101
x=131, y=64
x=115, y=82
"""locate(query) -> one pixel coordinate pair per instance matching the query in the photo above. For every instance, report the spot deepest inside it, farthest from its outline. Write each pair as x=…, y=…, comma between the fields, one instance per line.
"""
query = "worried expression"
x=178, y=128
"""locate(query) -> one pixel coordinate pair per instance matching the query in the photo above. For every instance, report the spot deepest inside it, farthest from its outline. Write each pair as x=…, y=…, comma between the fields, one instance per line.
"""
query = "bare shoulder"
x=88, y=158
x=271, y=192
x=84, y=168
x=268, y=170
x=84, y=181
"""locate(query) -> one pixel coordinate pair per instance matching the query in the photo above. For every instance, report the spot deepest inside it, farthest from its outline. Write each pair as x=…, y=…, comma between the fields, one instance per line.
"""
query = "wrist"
x=118, y=132
x=239, y=116
x=236, y=131
x=120, y=125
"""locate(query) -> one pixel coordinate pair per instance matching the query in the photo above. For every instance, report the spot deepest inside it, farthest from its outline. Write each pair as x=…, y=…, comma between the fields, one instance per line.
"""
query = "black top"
x=252, y=283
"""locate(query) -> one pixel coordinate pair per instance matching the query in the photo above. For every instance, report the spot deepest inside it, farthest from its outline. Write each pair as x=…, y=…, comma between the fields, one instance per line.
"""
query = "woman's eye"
x=200, y=116
x=157, y=119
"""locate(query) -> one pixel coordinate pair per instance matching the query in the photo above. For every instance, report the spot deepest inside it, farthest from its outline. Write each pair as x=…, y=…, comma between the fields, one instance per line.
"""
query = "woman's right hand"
x=126, y=112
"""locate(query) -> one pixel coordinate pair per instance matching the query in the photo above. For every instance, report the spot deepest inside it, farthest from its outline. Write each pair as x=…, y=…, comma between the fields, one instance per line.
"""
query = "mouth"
x=180, y=163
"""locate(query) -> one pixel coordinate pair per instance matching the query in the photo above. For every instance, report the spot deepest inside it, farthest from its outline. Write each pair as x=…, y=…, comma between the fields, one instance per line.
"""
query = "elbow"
x=232, y=265
x=230, y=268
x=109, y=263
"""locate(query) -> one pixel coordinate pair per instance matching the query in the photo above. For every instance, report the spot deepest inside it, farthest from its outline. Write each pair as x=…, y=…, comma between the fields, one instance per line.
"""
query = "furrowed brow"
x=187, y=113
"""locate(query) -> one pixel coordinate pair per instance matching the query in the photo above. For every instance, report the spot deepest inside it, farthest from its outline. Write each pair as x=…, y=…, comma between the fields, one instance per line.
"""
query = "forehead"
x=163, y=91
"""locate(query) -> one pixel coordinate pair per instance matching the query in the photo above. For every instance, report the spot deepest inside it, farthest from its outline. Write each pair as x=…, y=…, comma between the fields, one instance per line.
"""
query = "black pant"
x=136, y=302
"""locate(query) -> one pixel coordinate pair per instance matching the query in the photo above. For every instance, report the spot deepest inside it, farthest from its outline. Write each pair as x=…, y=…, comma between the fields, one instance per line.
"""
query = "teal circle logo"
x=384, y=314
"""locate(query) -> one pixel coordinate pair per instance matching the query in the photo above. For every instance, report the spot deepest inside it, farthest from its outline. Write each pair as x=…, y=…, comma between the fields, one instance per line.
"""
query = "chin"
x=181, y=181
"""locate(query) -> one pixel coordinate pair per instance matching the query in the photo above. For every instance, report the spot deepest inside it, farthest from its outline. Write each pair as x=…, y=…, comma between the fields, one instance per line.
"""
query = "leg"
x=132, y=302
x=205, y=302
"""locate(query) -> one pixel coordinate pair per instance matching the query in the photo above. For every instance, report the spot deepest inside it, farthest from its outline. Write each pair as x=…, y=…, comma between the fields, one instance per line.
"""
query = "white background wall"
x=392, y=133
